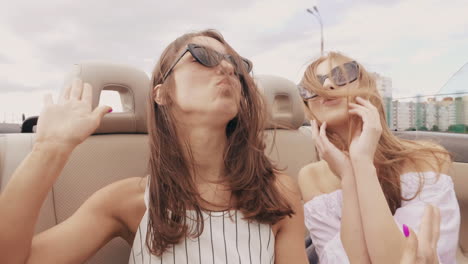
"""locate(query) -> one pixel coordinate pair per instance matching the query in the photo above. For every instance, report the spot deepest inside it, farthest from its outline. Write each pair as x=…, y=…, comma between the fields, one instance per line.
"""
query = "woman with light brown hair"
x=211, y=196
x=370, y=186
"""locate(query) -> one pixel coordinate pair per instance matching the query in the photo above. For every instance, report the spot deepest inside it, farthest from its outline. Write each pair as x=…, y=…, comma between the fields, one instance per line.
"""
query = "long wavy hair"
x=393, y=154
x=249, y=174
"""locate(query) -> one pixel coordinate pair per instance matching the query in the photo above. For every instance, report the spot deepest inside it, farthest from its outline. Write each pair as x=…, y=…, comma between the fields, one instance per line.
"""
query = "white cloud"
x=409, y=41
x=417, y=43
x=28, y=103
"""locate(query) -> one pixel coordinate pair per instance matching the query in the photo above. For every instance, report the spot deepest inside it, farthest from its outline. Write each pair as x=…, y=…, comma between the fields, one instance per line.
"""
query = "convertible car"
x=119, y=149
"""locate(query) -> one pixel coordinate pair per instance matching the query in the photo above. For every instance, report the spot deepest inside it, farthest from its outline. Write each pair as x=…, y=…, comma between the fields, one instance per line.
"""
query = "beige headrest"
x=133, y=86
x=281, y=96
x=283, y=101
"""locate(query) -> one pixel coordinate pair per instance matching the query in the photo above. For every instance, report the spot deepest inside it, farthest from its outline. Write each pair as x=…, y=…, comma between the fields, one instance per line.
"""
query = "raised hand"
x=423, y=249
x=365, y=139
x=337, y=160
x=72, y=119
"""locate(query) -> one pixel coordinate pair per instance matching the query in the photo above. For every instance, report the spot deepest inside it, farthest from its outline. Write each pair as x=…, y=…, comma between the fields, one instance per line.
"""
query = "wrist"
x=361, y=159
x=347, y=178
x=363, y=165
x=53, y=148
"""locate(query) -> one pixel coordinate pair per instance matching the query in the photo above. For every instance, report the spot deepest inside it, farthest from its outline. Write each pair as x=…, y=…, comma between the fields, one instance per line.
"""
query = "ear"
x=157, y=95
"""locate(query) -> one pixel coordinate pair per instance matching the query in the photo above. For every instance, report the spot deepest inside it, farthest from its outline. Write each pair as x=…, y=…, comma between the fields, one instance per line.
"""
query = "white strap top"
x=226, y=238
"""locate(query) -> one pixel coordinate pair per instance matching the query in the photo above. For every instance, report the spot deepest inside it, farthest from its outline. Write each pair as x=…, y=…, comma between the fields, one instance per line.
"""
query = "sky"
x=419, y=44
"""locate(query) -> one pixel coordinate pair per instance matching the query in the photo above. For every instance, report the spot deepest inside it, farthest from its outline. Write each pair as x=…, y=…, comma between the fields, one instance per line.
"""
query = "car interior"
x=118, y=149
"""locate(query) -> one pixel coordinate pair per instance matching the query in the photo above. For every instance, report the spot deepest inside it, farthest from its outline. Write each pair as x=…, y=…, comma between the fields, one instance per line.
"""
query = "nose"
x=328, y=84
x=225, y=67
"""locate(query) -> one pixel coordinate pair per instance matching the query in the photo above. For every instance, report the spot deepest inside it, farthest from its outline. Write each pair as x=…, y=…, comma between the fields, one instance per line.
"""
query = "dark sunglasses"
x=305, y=94
x=209, y=58
x=338, y=76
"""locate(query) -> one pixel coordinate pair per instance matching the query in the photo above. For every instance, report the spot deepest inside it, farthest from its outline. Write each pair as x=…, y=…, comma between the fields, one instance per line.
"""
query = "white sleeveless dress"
x=226, y=238
x=323, y=216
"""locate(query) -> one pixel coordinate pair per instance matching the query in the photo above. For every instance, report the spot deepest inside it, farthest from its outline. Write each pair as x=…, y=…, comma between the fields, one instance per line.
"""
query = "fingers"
x=426, y=226
x=366, y=103
x=77, y=89
x=368, y=113
x=358, y=106
x=429, y=233
x=313, y=126
x=323, y=130
x=411, y=248
x=316, y=137
x=87, y=95
x=101, y=111
x=363, y=107
x=359, y=110
x=323, y=134
x=65, y=94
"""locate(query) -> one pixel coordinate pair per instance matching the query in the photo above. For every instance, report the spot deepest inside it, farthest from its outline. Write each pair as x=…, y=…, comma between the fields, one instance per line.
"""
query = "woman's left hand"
x=365, y=139
x=338, y=161
x=422, y=249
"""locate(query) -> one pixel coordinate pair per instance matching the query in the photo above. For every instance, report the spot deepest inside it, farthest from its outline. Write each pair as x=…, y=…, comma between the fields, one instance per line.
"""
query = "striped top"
x=226, y=238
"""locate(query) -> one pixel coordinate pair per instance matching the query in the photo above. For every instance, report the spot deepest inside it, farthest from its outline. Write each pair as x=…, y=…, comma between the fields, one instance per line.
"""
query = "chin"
x=335, y=118
x=230, y=114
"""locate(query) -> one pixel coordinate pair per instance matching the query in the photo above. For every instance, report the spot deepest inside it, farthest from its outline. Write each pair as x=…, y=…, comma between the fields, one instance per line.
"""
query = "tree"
x=458, y=128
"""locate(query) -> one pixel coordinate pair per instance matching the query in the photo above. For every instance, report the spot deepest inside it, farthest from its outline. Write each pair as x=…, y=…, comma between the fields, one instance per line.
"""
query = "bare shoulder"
x=316, y=179
x=127, y=203
x=122, y=200
x=287, y=185
x=289, y=231
x=289, y=188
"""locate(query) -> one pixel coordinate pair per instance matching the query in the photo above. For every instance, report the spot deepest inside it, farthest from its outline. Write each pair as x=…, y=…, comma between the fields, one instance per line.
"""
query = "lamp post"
x=315, y=12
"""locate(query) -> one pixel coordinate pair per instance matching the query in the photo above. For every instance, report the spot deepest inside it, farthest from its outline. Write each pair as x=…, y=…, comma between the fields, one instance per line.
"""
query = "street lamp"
x=315, y=12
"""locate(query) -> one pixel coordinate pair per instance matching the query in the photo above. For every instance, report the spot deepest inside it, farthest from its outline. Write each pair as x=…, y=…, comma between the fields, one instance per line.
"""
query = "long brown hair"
x=249, y=173
x=393, y=154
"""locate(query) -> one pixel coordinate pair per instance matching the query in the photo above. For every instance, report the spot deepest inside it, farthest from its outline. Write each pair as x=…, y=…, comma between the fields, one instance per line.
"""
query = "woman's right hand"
x=422, y=249
x=337, y=160
x=71, y=120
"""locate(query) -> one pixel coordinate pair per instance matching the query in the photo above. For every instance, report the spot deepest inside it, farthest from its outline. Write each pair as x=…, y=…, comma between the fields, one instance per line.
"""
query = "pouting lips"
x=332, y=101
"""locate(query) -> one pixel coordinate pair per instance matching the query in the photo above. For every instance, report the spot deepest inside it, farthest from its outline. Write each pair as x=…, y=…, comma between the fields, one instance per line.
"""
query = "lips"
x=224, y=81
x=329, y=102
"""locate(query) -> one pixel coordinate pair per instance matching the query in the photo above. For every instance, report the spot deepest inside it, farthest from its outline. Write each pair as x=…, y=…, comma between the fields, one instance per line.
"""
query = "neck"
x=207, y=145
x=342, y=130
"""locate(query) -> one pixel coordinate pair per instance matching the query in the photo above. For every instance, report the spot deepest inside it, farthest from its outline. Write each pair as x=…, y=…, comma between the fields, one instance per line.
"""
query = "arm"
x=437, y=191
x=79, y=237
x=383, y=235
x=289, y=239
x=385, y=242
x=61, y=128
x=352, y=229
x=23, y=196
x=352, y=235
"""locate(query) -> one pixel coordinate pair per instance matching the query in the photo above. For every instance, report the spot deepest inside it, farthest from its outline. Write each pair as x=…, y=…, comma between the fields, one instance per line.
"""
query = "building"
x=403, y=115
x=435, y=113
x=432, y=115
x=384, y=86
